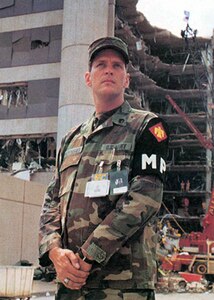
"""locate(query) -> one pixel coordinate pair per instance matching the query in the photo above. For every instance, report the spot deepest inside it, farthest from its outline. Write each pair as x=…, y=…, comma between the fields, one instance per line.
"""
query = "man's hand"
x=70, y=269
x=83, y=265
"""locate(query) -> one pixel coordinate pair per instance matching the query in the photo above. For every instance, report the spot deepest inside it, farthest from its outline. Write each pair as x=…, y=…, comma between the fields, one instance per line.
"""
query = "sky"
x=169, y=14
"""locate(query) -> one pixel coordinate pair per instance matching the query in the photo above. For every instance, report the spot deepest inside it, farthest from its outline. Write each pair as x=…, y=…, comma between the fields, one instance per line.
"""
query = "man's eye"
x=118, y=66
x=100, y=64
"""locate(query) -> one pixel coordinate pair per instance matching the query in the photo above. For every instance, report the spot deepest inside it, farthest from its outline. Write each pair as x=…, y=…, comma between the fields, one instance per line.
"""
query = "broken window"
x=27, y=153
x=40, y=37
x=13, y=95
x=31, y=46
x=38, y=44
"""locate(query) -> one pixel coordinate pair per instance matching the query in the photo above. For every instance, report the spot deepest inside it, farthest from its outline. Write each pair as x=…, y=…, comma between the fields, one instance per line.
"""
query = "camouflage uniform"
x=116, y=230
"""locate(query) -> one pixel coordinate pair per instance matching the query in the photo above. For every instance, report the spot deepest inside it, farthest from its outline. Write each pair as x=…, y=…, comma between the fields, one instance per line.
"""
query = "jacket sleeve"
x=50, y=220
x=50, y=229
x=136, y=207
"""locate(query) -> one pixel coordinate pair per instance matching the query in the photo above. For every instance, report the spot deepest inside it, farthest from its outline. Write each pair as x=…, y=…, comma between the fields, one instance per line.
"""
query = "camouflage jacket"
x=116, y=230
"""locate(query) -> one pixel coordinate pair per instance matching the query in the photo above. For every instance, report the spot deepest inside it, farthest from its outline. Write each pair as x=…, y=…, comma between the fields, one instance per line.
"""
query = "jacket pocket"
x=68, y=171
x=109, y=159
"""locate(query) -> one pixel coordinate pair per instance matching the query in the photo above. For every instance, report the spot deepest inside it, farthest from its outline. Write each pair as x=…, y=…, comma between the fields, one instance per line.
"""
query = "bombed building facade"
x=171, y=76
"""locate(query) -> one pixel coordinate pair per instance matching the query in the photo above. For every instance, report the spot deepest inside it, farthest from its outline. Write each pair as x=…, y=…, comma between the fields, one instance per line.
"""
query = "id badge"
x=118, y=182
x=97, y=188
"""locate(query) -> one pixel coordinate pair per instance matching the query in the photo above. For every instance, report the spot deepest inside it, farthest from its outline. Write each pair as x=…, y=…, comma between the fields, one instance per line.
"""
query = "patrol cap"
x=108, y=43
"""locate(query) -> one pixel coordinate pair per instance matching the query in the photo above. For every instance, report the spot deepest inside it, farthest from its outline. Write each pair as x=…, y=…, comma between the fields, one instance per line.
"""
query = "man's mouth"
x=108, y=81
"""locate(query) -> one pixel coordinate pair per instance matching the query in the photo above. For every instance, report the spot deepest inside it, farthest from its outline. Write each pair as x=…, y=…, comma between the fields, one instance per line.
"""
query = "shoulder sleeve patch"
x=158, y=132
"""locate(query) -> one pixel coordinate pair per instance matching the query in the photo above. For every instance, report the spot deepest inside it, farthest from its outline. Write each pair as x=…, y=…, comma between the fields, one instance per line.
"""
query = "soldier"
x=98, y=217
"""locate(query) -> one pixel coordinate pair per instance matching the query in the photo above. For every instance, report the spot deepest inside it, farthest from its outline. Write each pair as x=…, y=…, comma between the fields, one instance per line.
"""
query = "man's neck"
x=105, y=106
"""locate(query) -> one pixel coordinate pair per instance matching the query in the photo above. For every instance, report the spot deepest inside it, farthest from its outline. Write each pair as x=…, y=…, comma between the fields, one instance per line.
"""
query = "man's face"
x=108, y=76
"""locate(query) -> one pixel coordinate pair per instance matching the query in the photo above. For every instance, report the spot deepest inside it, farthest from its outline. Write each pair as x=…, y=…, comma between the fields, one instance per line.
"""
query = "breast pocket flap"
x=69, y=161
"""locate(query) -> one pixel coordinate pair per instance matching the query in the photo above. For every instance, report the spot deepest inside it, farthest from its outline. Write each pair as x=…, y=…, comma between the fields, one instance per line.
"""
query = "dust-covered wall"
x=20, y=206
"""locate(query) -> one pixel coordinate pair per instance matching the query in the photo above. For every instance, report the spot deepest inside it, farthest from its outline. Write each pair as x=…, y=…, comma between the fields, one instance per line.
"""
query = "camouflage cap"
x=109, y=43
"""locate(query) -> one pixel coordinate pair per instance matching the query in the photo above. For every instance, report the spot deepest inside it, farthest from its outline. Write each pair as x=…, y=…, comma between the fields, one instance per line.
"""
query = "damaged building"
x=171, y=76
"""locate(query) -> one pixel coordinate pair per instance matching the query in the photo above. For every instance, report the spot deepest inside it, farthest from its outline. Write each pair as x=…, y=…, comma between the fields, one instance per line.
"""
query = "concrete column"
x=83, y=22
x=207, y=58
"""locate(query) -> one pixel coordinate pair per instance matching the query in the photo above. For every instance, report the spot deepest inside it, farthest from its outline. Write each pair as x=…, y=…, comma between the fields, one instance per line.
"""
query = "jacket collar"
x=121, y=115
x=119, y=118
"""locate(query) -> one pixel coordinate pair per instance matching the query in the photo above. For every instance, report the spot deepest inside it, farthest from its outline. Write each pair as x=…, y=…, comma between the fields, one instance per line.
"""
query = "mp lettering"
x=154, y=162
x=162, y=165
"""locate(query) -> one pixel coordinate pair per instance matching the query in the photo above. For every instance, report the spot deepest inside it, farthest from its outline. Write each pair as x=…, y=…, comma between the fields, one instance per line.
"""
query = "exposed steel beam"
x=206, y=143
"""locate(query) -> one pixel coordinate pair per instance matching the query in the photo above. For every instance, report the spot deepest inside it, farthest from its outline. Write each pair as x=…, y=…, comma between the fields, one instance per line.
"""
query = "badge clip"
x=118, y=165
x=101, y=166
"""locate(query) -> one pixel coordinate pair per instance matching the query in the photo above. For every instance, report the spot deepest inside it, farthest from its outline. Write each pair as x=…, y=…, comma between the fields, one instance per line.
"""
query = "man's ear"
x=88, y=79
x=127, y=81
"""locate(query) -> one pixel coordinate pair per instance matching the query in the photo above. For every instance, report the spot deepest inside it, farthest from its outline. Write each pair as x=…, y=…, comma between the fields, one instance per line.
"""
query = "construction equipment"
x=196, y=242
x=196, y=263
x=196, y=249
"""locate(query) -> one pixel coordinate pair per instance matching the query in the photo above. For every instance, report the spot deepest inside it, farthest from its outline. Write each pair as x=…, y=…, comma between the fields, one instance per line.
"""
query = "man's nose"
x=109, y=70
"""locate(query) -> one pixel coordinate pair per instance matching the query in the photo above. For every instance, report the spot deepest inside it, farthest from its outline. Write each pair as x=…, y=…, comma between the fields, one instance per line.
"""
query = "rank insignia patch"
x=158, y=131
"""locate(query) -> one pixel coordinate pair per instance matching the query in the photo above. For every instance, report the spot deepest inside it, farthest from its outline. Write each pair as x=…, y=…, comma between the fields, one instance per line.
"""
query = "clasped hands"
x=70, y=268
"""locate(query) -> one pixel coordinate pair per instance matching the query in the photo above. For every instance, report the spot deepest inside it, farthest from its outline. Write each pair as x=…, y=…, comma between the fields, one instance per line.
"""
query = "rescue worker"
x=99, y=213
